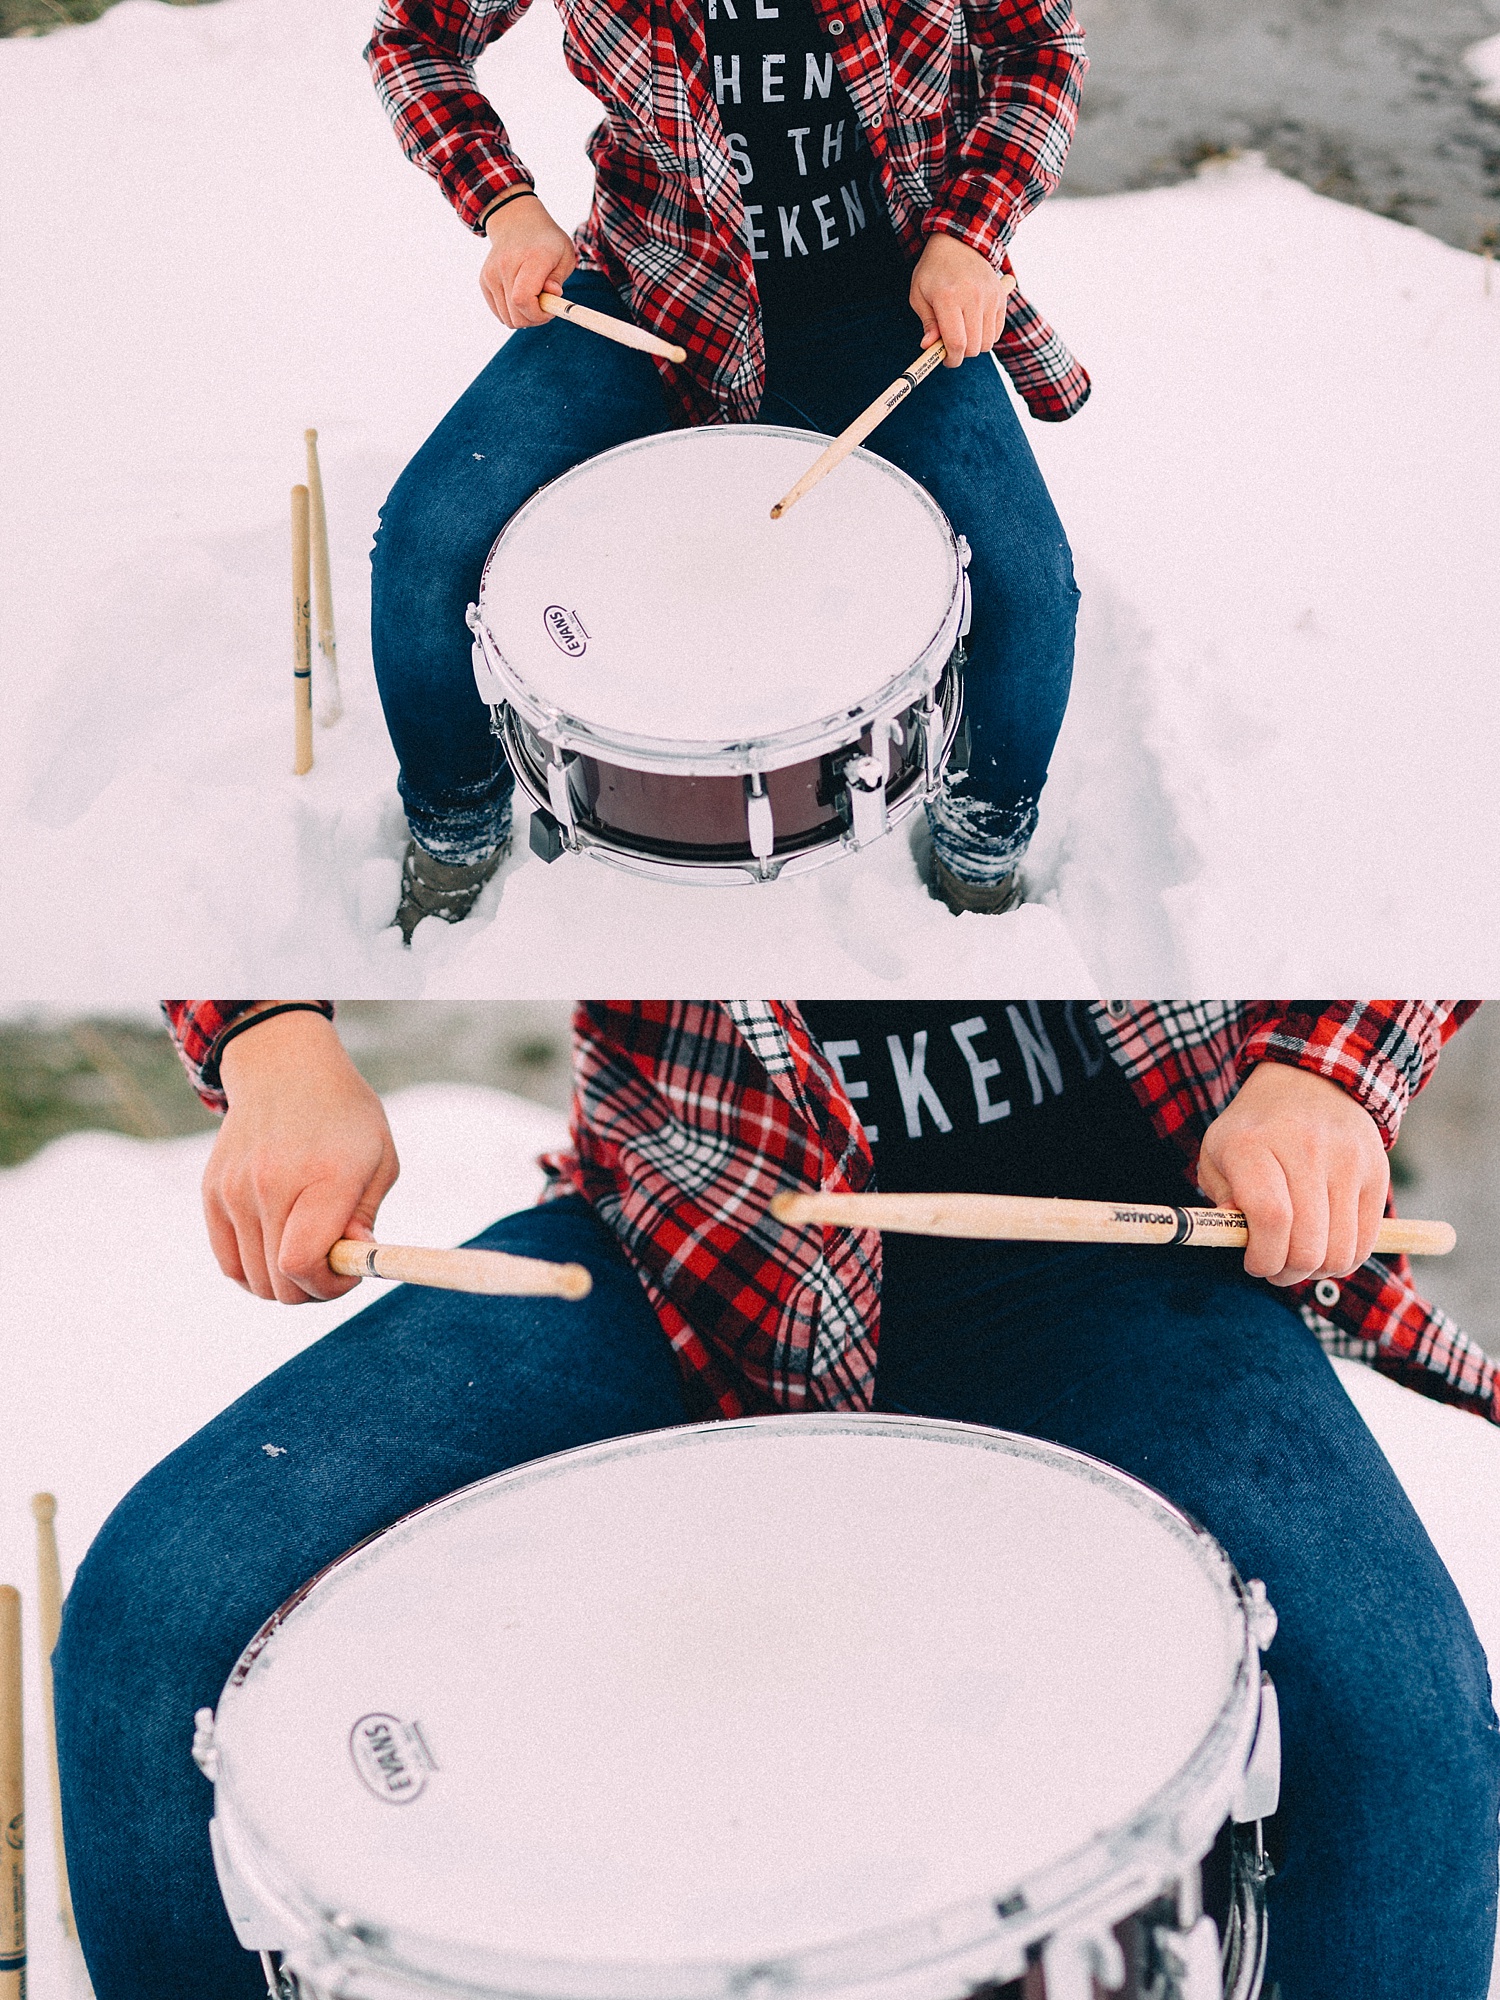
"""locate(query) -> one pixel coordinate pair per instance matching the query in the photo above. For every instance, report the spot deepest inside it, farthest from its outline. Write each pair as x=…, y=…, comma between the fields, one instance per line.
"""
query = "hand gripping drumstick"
x=12, y=1803
x=1038, y=1219
x=612, y=329
x=862, y=426
x=49, y=1622
x=495, y=1272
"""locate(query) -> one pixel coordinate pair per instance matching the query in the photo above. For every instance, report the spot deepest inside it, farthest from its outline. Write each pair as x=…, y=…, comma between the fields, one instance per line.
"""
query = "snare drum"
x=690, y=689
x=870, y=1708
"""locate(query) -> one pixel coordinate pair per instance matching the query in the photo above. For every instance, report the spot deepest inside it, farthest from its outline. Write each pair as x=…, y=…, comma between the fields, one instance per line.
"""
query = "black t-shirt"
x=815, y=217
x=995, y=1097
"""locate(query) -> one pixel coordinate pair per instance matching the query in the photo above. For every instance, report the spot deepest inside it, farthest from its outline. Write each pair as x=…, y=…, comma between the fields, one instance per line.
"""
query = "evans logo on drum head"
x=391, y=1757
x=565, y=630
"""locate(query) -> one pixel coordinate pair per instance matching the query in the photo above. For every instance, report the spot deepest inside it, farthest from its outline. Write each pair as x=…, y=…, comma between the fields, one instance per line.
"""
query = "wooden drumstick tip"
x=44, y=1506
x=573, y=1281
x=625, y=332
x=787, y=1207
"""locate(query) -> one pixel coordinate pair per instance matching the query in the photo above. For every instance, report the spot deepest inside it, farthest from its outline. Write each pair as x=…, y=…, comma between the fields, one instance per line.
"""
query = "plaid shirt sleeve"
x=1381, y=1051
x=197, y=1028
x=687, y=1118
x=1031, y=64
x=1186, y=1060
x=422, y=57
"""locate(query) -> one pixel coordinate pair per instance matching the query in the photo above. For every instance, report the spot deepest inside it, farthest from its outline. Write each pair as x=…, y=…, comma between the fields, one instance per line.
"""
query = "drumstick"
x=330, y=705
x=493, y=1271
x=1038, y=1219
x=12, y=1803
x=49, y=1622
x=612, y=329
x=302, y=760
x=862, y=426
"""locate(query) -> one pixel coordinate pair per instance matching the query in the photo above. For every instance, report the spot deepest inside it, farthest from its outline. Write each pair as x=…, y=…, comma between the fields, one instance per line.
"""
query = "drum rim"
x=709, y=756
x=1120, y=1867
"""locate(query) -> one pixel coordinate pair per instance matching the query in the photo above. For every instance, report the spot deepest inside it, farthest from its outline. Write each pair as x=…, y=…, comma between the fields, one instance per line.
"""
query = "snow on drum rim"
x=691, y=1742
x=645, y=601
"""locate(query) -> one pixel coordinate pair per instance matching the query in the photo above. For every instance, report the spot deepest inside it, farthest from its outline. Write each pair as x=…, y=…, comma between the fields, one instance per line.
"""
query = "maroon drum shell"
x=688, y=817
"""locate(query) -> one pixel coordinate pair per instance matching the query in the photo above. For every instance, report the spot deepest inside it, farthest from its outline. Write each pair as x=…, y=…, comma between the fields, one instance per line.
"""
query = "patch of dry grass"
x=38, y=17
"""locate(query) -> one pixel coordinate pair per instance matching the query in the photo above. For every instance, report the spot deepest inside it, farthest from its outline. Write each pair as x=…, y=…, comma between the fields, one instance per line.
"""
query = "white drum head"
x=648, y=594
x=726, y=1695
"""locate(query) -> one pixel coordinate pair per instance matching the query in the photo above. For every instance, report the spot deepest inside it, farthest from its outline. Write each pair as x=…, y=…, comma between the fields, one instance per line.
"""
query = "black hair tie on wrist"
x=209, y=1073
x=495, y=207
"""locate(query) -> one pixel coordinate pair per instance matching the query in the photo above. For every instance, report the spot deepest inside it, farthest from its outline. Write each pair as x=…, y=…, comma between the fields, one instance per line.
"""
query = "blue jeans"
x=553, y=397
x=1161, y=1361
x=1179, y=1369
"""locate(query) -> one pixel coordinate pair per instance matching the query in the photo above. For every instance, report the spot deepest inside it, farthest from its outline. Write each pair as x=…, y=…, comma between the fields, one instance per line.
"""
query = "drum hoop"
x=710, y=757
x=1109, y=1876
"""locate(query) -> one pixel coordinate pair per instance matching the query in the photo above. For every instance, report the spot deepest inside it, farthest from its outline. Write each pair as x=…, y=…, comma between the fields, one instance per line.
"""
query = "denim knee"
x=130, y=1609
x=1032, y=592
x=1472, y=1732
x=415, y=518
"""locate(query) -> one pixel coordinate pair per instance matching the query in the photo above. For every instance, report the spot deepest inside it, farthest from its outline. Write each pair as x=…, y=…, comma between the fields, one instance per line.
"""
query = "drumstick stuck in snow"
x=330, y=705
x=49, y=1597
x=863, y=424
x=495, y=1272
x=612, y=329
x=1040, y=1219
x=12, y=1803
x=302, y=743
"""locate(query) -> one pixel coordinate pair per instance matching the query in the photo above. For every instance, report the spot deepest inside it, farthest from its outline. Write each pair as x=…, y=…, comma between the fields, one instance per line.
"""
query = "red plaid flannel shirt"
x=689, y=1115
x=968, y=110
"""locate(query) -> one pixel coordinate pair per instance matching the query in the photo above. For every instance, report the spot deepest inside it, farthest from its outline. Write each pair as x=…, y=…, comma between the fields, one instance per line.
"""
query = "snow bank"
x=111, y=1365
x=1278, y=765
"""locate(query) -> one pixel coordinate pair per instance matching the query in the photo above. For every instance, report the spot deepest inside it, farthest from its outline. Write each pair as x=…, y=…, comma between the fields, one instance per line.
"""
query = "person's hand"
x=528, y=255
x=1308, y=1167
x=304, y=1157
x=959, y=297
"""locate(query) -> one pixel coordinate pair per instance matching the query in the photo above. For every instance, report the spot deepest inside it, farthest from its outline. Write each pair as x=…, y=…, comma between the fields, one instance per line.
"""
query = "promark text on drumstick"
x=495, y=1272
x=1039, y=1219
x=612, y=329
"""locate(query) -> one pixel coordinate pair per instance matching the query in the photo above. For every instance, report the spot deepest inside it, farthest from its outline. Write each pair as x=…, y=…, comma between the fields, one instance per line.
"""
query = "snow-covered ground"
x=1278, y=766
x=121, y=1338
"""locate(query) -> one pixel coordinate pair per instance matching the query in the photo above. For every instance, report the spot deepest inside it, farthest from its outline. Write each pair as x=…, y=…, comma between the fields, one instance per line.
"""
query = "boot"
x=435, y=889
x=991, y=898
